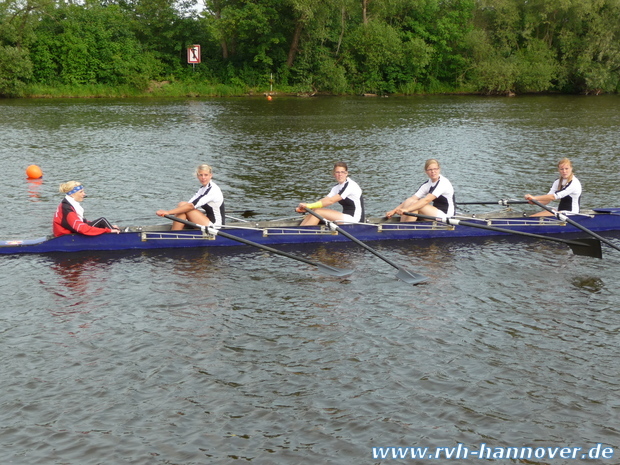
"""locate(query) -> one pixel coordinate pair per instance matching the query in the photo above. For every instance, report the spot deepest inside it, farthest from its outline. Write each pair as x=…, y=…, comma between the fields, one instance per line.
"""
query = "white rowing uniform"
x=211, y=200
x=443, y=190
x=569, y=195
x=352, y=200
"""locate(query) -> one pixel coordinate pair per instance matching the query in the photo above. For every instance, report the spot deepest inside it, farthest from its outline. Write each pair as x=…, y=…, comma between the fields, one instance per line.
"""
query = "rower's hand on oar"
x=396, y=211
x=301, y=208
x=162, y=212
x=530, y=198
x=115, y=229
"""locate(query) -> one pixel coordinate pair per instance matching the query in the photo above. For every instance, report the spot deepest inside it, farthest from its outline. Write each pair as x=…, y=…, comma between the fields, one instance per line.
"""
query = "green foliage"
x=569, y=45
x=590, y=49
x=331, y=77
x=537, y=67
x=337, y=46
x=15, y=71
x=89, y=46
x=381, y=61
x=252, y=32
x=19, y=20
x=496, y=74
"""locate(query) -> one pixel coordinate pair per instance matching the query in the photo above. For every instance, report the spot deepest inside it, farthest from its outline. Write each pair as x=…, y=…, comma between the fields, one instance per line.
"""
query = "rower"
x=566, y=189
x=434, y=198
x=347, y=193
x=209, y=198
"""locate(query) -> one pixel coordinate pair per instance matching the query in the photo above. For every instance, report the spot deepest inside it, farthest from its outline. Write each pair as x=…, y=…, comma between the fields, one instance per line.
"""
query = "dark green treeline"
x=335, y=46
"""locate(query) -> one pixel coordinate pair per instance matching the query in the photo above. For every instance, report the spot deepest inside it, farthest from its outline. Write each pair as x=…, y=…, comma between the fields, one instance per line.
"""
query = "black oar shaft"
x=325, y=268
x=581, y=248
x=403, y=275
x=562, y=217
x=455, y=222
x=495, y=202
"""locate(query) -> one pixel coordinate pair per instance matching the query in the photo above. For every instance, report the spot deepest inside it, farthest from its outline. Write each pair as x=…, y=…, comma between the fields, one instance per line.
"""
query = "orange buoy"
x=269, y=97
x=34, y=172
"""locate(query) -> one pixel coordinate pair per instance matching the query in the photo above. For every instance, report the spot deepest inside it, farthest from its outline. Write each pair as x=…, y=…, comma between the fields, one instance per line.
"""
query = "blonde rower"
x=434, y=198
x=69, y=217
x=209, y=199
x=566, y=189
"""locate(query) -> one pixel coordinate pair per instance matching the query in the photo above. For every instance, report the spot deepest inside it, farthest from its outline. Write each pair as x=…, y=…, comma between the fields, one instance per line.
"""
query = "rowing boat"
x=288, y=231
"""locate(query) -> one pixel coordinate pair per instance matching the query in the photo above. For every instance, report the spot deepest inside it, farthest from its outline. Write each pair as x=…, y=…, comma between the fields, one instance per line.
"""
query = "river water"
x=238, y=356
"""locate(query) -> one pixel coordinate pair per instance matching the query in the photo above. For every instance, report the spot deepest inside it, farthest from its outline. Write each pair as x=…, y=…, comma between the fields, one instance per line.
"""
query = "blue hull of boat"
x=605, y=219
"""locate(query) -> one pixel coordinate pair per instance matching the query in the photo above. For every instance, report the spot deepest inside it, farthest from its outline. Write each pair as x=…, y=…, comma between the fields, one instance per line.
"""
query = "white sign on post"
x=193, y=54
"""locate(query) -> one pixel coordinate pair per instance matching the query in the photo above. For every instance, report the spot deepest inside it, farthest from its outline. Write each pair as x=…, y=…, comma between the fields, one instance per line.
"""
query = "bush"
x=15, y=70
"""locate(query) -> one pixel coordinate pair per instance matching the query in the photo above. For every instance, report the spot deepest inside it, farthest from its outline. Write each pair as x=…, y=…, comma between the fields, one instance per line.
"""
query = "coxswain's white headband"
x=75, y=189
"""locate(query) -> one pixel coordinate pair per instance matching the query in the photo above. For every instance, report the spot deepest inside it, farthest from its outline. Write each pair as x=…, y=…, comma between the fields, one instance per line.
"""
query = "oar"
x=562, y=217
x=330, y=270
x=588, y=247
x=403, y=275
x=503, y=202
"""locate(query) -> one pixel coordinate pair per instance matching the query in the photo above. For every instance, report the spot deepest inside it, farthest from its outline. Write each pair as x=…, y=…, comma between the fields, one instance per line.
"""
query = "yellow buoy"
x=34, y=172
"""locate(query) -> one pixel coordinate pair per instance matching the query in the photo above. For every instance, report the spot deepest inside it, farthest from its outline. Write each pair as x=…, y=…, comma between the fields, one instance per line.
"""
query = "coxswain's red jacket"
x=67, y=221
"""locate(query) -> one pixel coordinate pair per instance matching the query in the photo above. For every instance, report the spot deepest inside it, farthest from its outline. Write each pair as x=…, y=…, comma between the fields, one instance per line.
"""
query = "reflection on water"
x=78, y=283
x=34, y=189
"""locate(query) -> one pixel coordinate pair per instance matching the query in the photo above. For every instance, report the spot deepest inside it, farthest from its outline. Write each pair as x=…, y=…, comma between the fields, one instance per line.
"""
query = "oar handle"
x=503, y=202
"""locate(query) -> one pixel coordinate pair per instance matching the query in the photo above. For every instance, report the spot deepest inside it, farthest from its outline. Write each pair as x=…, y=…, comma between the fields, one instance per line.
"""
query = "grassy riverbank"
x=196, y=89
x=155, y=89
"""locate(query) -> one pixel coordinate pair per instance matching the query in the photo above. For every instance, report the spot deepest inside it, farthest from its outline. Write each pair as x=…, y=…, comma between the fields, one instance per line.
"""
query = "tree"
x=88, y=45
x=15, y=71
x=537, y=67
x=19, y=19
x=590, y=48
x=303, y=12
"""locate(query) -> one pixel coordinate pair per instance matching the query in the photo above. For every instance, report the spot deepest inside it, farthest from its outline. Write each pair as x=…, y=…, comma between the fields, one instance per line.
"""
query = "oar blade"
x=332, y=271
x=562, y=217
x=409, y=277
x=588, y=247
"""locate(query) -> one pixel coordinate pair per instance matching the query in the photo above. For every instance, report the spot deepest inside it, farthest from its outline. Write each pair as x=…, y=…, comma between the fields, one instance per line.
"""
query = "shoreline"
x=167, y=89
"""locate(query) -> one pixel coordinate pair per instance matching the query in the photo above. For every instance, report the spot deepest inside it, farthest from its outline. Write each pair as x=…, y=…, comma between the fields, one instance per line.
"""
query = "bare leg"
x=195, y=216
x=176, y=226
x=543, y=213
x=407, y=218
x=427, y=210
x=328, y=214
